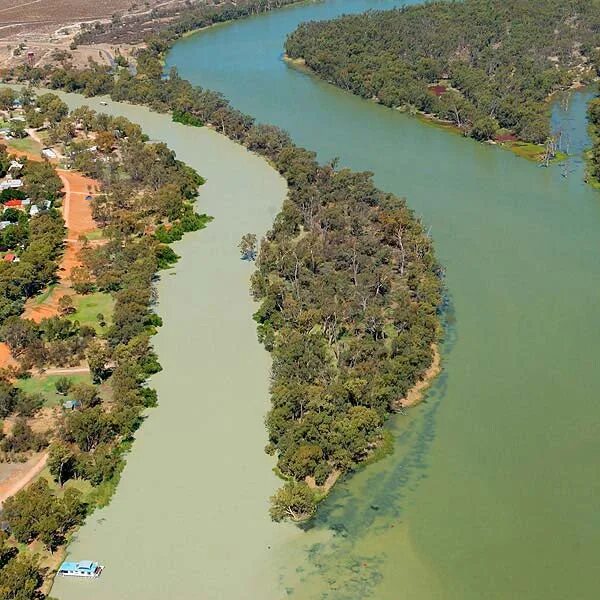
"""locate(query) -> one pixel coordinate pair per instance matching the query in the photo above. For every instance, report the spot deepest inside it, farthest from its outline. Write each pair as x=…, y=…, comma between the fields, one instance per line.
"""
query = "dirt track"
x=21, y=476
x=77, y=213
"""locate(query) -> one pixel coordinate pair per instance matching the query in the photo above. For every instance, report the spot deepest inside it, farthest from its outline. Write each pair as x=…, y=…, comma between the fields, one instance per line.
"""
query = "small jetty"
x=83, y=568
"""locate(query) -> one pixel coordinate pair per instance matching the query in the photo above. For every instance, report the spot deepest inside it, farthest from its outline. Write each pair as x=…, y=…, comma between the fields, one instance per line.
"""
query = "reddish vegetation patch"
x=438, y=90
x=506, y=137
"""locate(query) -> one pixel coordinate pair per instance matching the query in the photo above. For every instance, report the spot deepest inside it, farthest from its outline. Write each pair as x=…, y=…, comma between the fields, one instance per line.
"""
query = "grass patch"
x=87, y=308
x=25, y=145
x=533, y=152
x=45, y=294
x=432, y=121
x=45, y=385
x=97, y=234
x=85, y=487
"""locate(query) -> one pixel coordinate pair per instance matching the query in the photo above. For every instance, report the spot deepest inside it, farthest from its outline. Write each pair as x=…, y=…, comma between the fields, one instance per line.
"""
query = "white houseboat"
x=83, y=568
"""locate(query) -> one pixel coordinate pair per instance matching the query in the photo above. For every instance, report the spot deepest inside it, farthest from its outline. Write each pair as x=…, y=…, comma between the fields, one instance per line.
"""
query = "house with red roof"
x=14, y=203
x=10, y=257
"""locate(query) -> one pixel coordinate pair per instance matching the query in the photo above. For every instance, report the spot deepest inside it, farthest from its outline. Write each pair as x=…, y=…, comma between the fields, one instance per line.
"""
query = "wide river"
x=492, y=490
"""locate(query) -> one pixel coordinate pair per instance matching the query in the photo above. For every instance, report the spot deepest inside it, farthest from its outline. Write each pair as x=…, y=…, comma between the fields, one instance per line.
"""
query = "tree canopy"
x=480, y=64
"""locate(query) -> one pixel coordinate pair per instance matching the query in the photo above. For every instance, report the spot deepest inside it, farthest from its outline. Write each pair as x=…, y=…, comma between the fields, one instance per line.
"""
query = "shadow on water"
x=372, y=500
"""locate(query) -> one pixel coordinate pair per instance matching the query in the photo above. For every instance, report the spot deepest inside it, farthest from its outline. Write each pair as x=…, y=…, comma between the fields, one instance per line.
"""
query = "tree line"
x=593, y=155
x=487, y=66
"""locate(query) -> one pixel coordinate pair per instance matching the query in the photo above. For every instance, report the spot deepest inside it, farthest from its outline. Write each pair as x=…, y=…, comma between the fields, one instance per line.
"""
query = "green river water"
x=491, y=492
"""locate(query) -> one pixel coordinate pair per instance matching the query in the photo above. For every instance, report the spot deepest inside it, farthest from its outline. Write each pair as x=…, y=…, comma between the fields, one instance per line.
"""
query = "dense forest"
x=347, y=279
x=487, y=66
x=145, y=202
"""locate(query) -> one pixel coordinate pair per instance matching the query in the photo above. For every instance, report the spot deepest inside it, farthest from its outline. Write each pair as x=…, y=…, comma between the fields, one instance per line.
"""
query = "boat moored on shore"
x=83, y=568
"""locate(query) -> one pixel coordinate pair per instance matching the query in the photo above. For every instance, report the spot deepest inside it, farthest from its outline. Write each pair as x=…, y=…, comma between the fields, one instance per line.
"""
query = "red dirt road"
x=77, y=213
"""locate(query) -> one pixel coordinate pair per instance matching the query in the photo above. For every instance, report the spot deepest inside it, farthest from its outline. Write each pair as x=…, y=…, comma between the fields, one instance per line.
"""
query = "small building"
x=14, y=203
x=34, y=210
x=10, y=257
x=71, y=404
x=26, y=201
x=4, y=224
x=19, y=119
x=11, y=184
x=15, y=166
x=49, y=153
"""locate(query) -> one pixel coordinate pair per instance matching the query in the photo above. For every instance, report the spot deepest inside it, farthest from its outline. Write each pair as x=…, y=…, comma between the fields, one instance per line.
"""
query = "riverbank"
x=530, y=151
x=417, y=392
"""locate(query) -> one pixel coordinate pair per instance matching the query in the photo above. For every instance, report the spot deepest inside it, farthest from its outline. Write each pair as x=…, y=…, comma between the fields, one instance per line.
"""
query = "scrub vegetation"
x=175, y=18
x=487, y=66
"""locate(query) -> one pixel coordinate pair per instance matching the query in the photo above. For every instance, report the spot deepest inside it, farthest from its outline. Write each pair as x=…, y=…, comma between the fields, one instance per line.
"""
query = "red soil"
x=77, y=213
x=6, y=359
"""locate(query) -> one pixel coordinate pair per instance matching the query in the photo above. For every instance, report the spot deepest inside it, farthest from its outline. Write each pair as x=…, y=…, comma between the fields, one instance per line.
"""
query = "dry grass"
x=22, y=18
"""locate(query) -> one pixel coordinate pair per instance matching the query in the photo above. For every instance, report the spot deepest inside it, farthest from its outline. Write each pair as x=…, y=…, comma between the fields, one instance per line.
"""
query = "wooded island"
x=486, y=66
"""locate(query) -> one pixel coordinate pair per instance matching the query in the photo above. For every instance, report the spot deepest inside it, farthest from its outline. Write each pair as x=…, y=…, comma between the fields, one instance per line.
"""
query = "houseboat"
x=83, y=568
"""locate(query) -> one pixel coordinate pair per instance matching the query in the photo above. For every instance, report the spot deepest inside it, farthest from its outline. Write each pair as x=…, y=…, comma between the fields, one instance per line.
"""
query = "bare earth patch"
x=15, y=476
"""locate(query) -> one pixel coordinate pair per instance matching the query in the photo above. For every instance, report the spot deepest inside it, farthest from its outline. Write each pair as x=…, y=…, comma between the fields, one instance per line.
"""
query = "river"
x=492, y=490
x=189, y=518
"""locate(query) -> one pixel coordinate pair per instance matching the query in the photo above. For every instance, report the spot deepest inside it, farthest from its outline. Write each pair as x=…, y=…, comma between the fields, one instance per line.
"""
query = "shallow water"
x=491, y=492
x=189, y=518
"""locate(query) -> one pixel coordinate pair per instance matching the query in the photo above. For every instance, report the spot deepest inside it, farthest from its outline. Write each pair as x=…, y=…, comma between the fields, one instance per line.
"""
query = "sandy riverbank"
x=416, y=393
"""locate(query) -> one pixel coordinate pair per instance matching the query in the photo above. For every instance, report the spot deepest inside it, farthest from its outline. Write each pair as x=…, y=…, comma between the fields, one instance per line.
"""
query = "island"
x=487, y=69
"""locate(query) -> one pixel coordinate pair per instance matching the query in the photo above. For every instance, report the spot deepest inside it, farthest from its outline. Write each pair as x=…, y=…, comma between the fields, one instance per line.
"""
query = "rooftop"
x=82, y=565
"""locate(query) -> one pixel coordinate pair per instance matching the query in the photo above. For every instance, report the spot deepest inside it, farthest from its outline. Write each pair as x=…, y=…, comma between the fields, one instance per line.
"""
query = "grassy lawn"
x=98, y=234
x=85, y=487
x=89, y=306
x=25, y=145
x=534, y=152
x=44, y=385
